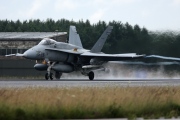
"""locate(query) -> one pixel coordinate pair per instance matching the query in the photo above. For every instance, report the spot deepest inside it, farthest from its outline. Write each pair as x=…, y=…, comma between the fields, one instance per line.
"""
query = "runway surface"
x=21, y=83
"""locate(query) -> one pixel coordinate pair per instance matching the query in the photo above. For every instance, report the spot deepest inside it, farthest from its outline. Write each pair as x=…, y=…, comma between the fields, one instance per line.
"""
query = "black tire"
x=46, y=76
x=51, y=76
x=58, y=75
x=91, y=75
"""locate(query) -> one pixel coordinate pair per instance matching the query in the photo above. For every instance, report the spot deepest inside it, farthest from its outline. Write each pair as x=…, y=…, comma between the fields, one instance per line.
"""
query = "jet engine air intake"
x=60, y=56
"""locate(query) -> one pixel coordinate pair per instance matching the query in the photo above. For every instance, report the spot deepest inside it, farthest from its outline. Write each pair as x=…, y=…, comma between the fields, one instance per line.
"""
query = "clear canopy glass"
x=47, y=41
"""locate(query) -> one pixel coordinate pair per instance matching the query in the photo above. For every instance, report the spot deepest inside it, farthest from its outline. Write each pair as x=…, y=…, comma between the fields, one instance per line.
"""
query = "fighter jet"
x=68, y=57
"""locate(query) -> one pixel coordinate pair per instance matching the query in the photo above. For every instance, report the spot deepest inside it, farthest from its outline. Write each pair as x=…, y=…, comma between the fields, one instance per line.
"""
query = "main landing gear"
x=58, y=75
x=91, y=75
x=47, y=76
x=51, y=76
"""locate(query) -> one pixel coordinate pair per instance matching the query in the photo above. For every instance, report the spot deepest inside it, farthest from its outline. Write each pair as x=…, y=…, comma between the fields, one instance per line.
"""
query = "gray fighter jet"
x=68, y=57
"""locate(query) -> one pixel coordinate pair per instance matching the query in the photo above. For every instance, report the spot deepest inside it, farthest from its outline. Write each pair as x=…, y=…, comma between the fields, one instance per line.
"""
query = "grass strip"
x=92, y=102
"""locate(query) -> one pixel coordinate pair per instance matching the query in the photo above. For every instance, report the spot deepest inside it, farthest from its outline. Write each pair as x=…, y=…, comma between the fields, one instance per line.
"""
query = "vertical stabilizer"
x=74, y=37
x=100, y=43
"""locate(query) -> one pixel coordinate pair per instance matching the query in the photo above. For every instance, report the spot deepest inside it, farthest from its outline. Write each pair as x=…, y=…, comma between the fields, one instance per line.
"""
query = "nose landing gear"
x=47, y=76
x=50, y=75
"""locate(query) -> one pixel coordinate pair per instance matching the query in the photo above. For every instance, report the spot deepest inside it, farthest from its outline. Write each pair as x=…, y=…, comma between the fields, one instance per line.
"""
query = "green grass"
x=91, y=102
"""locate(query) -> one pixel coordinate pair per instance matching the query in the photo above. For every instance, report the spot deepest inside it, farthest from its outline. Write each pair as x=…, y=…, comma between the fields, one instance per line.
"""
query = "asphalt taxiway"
x=21, y=83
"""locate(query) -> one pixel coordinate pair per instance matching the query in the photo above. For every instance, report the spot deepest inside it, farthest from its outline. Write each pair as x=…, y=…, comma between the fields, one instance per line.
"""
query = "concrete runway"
x=21, y=83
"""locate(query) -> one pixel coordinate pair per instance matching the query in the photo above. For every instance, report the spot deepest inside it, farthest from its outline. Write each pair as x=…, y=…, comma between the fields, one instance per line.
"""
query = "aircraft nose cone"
x=30, y=54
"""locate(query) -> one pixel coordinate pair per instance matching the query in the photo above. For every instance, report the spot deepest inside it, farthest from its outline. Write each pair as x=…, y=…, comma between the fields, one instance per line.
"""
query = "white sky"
x=152, y=14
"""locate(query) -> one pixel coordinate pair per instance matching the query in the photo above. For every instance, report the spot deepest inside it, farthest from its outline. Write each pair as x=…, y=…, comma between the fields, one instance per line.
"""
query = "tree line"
x=124, y=38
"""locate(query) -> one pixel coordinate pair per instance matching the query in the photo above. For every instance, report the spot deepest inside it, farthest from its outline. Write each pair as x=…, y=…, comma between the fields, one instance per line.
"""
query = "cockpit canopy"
x=47, y=41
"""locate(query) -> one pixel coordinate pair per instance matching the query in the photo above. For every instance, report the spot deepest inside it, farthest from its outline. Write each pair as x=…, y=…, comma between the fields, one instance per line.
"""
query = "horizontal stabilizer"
x=163, y=57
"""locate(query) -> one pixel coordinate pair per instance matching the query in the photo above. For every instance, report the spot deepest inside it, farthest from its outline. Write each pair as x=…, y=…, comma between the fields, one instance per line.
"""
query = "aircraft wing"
x=112, y=57
x=99, y=56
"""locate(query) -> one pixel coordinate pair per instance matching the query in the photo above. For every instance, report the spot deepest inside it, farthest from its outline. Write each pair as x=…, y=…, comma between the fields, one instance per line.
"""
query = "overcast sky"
x=152, y=14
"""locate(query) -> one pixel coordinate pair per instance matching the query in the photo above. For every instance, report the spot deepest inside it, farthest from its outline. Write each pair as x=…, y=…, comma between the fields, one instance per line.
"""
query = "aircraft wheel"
x=58, y=75
x=51, y=76
x=46, y=76
x=91, y=75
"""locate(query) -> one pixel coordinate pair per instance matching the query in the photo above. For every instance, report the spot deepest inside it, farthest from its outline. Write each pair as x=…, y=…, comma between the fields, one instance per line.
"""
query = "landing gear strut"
x=91, y=75
x=47, y=76
x=58, y=75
